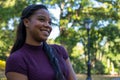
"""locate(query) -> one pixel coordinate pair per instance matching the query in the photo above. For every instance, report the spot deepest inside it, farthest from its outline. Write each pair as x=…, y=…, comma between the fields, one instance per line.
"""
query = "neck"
x=33, y=42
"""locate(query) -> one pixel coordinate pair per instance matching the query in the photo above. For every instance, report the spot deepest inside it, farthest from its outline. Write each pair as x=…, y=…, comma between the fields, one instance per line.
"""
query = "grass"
x=99, y=77
x=2, y=76
x=81, y=77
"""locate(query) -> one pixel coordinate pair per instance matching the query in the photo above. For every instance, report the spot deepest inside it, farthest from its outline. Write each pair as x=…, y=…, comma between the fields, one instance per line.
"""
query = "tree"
x=10, y=10
x=74, y=12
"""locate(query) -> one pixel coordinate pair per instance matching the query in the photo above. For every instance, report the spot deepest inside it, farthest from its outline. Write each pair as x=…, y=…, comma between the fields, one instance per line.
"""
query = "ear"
x=26, y=22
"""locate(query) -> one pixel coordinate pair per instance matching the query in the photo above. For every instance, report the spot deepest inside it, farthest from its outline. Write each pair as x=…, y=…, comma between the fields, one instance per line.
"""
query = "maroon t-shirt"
x=32, y=61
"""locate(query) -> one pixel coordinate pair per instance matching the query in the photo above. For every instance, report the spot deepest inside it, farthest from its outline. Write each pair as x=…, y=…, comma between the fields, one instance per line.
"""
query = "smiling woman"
x=38, y=27
x=31, y=57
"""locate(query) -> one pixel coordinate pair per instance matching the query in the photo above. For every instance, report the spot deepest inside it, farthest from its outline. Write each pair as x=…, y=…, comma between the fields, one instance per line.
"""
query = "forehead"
x=42, y=12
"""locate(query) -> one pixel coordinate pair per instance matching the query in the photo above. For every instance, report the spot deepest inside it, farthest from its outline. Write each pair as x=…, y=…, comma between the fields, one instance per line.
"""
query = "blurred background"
x=69, y=30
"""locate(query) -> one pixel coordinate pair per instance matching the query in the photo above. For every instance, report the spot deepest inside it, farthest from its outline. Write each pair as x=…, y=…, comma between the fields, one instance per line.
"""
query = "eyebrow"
x=43, y=17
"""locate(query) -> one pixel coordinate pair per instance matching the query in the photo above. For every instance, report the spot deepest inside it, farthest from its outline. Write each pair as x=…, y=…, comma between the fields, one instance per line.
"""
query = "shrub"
x=2, y=65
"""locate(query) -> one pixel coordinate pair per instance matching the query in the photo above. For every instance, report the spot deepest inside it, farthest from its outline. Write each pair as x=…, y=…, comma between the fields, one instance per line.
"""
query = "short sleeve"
x=62, y=51
x=15, y=63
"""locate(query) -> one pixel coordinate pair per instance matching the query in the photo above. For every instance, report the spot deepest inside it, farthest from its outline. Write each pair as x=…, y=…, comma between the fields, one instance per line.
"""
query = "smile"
x=47, y=33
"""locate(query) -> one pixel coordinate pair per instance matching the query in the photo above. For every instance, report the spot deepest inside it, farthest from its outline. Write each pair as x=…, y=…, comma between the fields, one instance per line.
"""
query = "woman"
x=31, y=57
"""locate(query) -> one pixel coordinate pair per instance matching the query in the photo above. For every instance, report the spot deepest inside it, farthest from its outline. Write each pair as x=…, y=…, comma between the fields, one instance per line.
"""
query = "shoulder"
x=60, y=47
x=18, y=55
x=14, y=59
x=61, y=50
x=16, y=63
x=15, y=56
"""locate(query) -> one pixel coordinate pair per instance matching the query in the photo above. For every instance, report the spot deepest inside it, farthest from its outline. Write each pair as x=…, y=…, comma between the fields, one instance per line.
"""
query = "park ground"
x=81, y=77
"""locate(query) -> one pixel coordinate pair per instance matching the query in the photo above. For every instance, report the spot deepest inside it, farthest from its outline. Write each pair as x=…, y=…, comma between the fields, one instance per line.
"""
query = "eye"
x=41, y=19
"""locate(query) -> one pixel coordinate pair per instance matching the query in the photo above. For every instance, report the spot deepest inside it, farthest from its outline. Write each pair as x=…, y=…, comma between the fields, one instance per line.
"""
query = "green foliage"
x=9, y=10
x=79, y=65
x=68, y=42
x=2, y=65
x=98, y=68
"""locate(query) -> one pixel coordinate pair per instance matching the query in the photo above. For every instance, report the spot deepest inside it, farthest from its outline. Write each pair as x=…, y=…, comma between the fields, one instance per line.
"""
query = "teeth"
x=45, y=32
x=48, y=30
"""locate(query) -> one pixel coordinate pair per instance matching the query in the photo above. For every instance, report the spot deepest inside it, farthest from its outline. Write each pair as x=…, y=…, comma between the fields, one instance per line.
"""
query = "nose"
x=47, y=24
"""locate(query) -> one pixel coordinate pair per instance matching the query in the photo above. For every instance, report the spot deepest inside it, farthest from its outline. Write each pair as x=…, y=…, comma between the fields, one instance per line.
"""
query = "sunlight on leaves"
x=9, y=3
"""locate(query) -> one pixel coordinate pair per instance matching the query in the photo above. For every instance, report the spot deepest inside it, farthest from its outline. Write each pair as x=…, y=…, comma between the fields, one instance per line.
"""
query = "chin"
x=44, y=39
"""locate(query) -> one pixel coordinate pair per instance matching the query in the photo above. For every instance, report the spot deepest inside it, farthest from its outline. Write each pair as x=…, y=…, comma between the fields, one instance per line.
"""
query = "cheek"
x=50, y=29
x=36, y=24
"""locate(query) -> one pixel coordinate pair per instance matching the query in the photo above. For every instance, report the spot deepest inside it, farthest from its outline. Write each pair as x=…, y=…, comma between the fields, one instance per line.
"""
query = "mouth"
x=46, y=32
